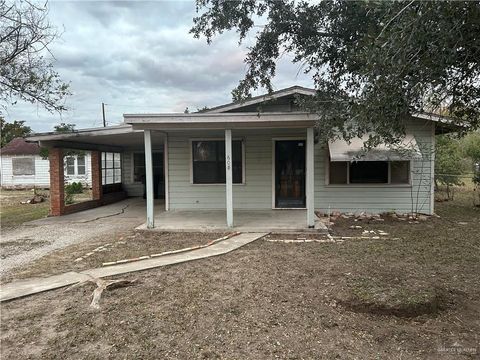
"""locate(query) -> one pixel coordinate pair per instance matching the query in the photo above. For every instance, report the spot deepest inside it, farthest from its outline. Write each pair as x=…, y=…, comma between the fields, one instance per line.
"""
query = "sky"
x=138, y=57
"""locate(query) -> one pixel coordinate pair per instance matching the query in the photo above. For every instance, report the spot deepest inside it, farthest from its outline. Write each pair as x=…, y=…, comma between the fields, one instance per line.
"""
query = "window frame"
x=388, y=184
x=190, y=147
x=77, y=173
x=103, y=166
x=73, y=166
x=34, y=166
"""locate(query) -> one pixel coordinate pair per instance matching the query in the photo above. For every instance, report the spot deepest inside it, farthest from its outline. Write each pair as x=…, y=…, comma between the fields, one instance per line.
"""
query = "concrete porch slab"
x=244, y=221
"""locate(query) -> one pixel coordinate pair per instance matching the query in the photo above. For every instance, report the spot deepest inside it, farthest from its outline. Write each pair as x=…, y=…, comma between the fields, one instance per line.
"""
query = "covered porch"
x=245, y=221
x=225, y=171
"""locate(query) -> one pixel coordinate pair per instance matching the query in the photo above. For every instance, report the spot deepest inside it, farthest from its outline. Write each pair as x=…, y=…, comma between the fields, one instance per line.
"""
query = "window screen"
x=400, y=172
x=23, y=166
x=369, y=172
x=338, y=172
x=70, y=165
x=209, y=162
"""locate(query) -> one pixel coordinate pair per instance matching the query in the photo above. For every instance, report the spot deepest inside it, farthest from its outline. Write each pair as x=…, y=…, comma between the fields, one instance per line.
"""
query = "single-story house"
x=22, y=166
x=260, y=154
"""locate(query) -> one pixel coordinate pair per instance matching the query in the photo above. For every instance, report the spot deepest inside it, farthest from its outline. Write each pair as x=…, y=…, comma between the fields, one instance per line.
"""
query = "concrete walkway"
x=36, y=285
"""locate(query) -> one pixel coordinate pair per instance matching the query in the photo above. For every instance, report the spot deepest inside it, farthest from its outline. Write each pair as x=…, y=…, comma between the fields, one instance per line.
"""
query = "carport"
x=107, y=147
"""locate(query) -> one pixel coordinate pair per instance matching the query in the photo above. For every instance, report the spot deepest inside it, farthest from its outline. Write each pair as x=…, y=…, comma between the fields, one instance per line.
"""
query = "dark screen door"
x=290, y=174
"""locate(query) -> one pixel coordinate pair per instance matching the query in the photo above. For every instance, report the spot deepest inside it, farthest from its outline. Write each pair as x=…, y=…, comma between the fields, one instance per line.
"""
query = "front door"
x=290, y=174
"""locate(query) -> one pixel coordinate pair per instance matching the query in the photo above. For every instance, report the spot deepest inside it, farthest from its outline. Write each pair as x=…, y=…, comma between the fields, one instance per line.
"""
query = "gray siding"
x=132, y=188
x=256, y=193
x=379, y=198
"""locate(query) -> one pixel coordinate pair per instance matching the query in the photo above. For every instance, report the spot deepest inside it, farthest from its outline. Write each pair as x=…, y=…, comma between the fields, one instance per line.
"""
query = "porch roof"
x=179, y=121
x=111, y=138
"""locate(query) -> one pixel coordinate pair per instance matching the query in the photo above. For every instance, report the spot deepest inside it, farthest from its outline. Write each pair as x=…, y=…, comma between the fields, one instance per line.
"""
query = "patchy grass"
x=105, y=249
x=408, y=298
x=13, y=213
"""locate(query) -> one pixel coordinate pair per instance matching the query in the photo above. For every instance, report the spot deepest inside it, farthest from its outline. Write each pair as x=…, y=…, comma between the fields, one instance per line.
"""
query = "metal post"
x=149, y=178
x=229, y=177
x=310, y=178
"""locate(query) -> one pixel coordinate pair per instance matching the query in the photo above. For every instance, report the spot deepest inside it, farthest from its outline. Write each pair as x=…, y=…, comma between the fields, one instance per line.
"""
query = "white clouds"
x=139, y=57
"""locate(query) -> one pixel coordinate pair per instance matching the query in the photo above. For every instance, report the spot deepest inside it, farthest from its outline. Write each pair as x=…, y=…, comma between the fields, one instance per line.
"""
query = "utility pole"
x=103, y=113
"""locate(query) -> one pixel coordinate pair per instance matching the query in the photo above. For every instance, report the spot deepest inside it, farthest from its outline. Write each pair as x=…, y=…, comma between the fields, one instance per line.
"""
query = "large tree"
x=10, y=131
x=374, y=62
x=26, y=63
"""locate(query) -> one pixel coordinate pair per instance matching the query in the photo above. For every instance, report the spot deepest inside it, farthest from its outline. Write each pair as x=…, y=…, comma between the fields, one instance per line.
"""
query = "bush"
x=74, y=188
x=71, y=190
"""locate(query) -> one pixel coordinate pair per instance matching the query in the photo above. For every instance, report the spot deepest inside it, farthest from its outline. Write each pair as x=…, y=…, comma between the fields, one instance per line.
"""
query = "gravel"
x=31, y=241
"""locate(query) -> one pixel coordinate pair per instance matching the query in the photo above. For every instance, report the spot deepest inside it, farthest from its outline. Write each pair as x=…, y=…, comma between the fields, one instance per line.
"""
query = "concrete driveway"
x=35, y=239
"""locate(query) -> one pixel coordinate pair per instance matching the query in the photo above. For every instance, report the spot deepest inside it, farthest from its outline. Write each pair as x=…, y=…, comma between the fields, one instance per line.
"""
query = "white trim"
x=274, y=140
x=262, y=98
x=165, y=173
x=190, y=140
x=229, y=177
x=310, y=177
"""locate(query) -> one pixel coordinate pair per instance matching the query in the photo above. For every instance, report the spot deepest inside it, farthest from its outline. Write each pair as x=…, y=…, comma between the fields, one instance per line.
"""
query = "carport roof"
x=110, y=138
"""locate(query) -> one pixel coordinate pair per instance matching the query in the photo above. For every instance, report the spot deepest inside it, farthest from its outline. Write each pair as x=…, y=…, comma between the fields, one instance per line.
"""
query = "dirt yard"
x=417, y=297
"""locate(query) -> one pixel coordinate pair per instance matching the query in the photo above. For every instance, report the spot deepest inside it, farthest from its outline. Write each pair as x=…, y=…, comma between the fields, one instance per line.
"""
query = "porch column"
x=149, y=177
x=228, y=177
x=97, y=190
x=165, y=172
x=57, y=186
x=310, y=167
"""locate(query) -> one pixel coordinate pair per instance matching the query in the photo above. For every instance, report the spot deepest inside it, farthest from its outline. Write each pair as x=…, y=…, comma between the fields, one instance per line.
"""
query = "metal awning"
x=340, y=150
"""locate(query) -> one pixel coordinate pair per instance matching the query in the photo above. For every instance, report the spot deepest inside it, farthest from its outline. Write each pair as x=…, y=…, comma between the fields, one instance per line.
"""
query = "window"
x=399, y=172
x=111, y=168
x=338, y=172
x=70, y=165
x=81, y=165
x=209, y=162
x=369, y=172
x=23, y=166
x=139, y=166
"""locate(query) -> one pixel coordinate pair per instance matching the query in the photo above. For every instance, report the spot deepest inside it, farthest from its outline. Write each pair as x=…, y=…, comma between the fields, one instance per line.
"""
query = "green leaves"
x=10, y=131
x=373, y=63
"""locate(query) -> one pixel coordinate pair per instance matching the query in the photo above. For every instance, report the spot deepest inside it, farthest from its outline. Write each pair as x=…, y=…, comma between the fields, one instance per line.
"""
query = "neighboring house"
x=258, y=154
x=23, y=167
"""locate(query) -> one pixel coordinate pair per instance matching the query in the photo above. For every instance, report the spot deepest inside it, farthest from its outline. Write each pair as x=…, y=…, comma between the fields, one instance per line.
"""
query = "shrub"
x=71, y=190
